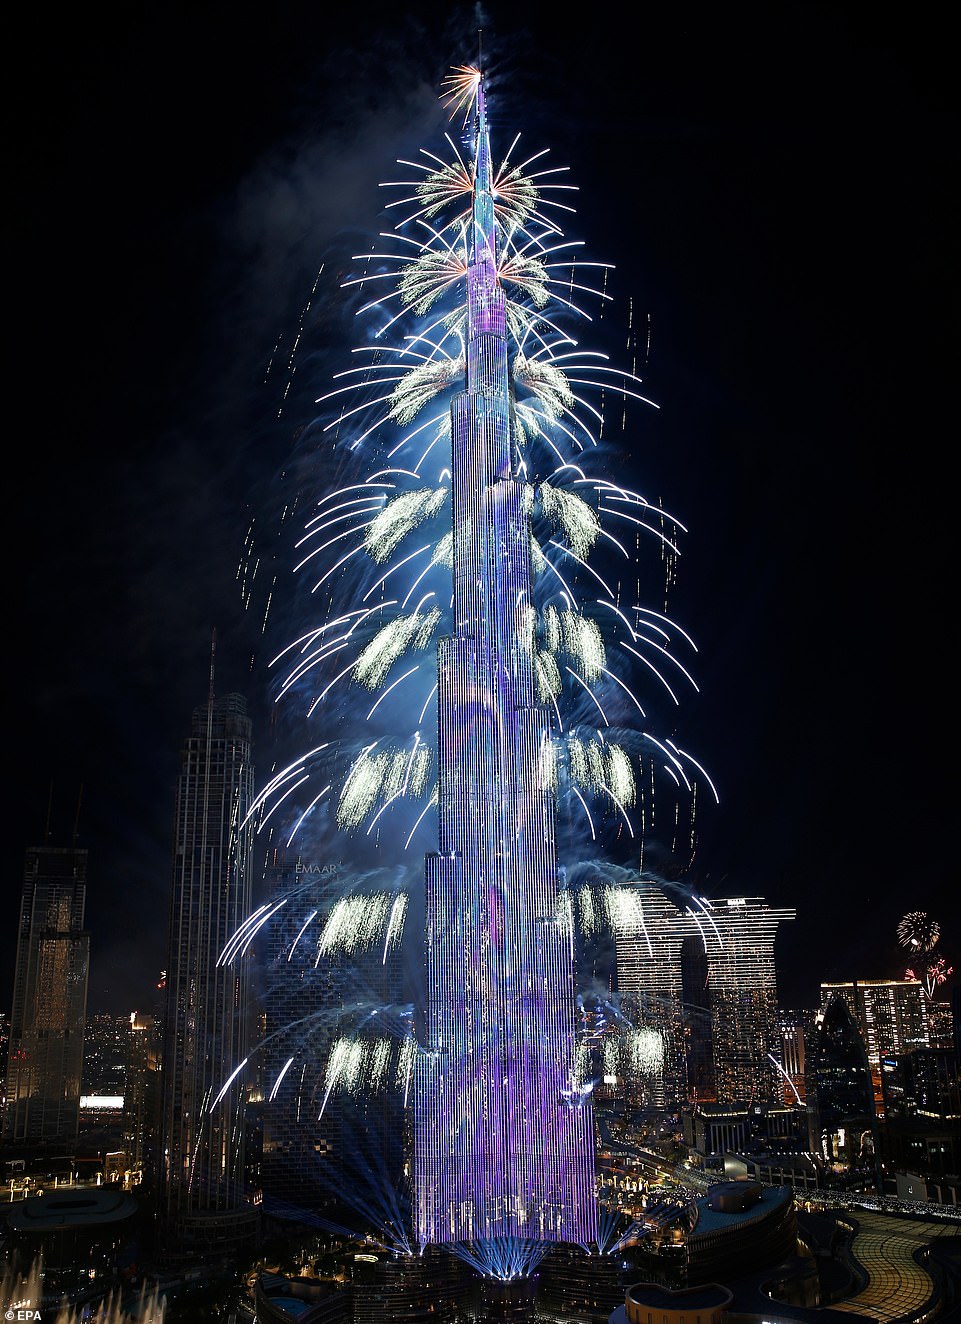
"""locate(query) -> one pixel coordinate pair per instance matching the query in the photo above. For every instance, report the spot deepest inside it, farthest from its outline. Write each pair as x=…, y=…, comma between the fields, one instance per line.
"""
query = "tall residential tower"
x=734, y=1022
x=206, y=1031
x=49, y=1000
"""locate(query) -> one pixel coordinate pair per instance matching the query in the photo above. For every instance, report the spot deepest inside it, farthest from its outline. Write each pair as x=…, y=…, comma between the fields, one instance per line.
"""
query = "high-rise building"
x=796, y=1029
x=504, y=1147
x=925, y=1083
x=921, y=1134
x=206, y=1028
x=891, y=1016
x=45, y=1059
x=141, y=1099
x=741, y=974
x=840, y=1090
x=940, y=1023
x=4, y=1047
x=650, y=982
x=708, y=973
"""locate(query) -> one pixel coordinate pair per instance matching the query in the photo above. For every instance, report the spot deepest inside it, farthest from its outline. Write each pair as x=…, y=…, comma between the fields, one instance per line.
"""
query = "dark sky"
x=777, y=188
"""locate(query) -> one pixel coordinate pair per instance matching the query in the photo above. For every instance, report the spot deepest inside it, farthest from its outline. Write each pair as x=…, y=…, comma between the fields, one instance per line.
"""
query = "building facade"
x=650, y=983
x=840, y=1092
x=891, y=1016
x=707, y=977
x=921, y=1132
x=504, y=1148
x=303, y=1001
x=743, y=983
x=45, y=1058
x=206, y=1028
x=796, y=1029
x=141, y=1100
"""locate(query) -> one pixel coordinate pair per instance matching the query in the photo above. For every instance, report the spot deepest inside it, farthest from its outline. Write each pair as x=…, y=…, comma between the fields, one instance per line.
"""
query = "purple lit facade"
x=504, y=1141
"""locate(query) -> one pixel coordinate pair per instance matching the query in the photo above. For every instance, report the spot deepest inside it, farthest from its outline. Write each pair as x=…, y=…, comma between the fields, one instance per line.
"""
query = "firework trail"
x=375, y=556
x=375, y=551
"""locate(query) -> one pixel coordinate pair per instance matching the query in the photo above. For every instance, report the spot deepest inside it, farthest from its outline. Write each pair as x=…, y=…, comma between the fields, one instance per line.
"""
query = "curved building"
x=740, y=1227
x=649, y=1303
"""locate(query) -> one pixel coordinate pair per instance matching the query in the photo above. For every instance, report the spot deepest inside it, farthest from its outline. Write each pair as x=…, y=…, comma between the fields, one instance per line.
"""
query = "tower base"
x=507, y=1302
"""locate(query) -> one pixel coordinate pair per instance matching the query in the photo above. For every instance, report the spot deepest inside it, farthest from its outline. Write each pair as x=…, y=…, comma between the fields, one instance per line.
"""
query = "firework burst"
x=918, y=932
x=377, y=549
x=376, y=553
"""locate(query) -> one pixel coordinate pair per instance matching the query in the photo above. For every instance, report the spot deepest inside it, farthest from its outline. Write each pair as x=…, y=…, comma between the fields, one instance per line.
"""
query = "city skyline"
x=817, y=586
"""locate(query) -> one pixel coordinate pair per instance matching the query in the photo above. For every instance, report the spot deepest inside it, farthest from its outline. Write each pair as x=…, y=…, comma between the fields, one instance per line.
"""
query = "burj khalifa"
x=504, y=1138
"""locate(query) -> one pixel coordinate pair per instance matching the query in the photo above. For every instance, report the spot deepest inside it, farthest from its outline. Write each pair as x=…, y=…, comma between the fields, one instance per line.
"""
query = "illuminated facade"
x=206, y=1030
x=743, y=982
x=796, y=1029
x=731, y=1021
x=650, y=982
x=841, y=1095
x=45, y=1059
x=504, y=1143
x=891, y=1015
x=141, y=1098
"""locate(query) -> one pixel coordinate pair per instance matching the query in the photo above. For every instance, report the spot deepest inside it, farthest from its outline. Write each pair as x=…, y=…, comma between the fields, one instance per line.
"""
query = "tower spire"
x=501, y=1156
x=213, y=659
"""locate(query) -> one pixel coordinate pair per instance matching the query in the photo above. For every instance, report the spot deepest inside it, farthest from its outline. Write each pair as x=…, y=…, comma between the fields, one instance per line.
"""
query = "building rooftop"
x=70, y=1207
x=711, y=1217
x=706, y=1297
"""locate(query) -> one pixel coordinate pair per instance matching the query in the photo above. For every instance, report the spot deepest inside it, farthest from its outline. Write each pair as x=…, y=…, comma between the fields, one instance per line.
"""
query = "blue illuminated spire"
x=502, y=1159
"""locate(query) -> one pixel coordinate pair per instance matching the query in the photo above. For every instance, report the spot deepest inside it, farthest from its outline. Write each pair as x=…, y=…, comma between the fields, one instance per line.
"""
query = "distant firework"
x=918, y=931
x=931, y=972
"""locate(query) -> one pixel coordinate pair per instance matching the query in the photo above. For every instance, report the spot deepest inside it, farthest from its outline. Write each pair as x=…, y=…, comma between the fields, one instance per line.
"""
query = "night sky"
x=777, y=189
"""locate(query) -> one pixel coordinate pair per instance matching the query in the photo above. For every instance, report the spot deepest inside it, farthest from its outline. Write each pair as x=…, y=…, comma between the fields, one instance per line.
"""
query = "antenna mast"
x=213, y=657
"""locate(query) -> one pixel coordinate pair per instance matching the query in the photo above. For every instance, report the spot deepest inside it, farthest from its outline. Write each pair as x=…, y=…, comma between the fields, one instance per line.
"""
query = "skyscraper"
x=718, y=957
x=650, y=980
x=206, y=1030
x=743, y=982
x=141, y=1099
x=503, y=1141
x=796, y=1029
x=891, y=1015
x=840, y=1091
x=49, y=1000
